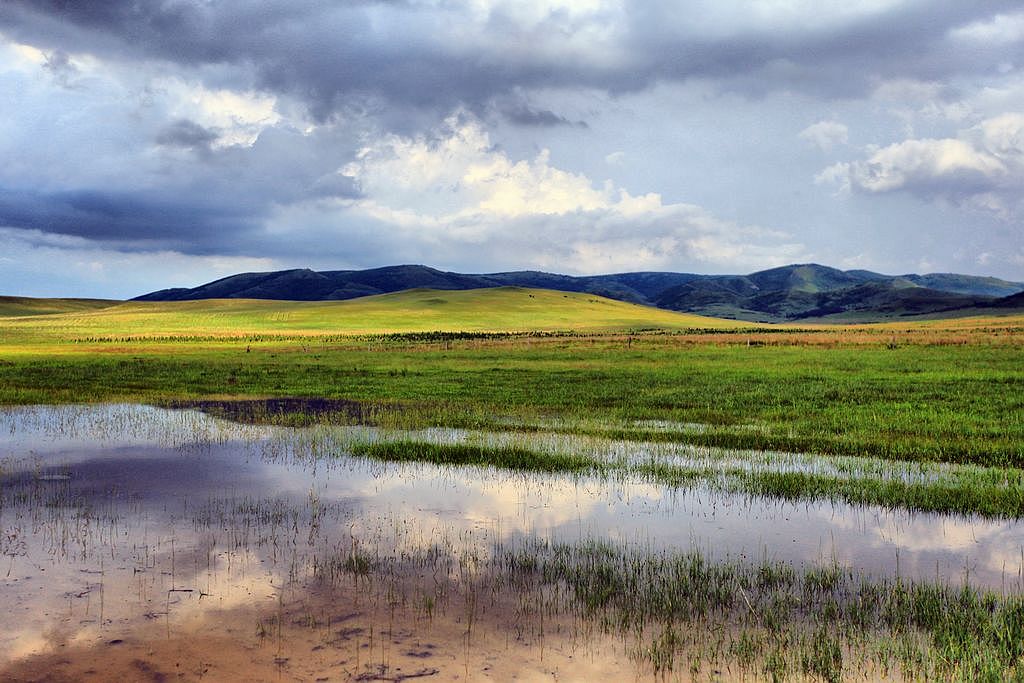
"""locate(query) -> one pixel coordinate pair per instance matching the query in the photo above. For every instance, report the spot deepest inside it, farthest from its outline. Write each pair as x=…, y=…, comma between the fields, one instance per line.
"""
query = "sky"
x=151, y=144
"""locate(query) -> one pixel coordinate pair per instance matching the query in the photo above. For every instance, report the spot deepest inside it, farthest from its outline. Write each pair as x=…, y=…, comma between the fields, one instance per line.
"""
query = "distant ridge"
x=797, y=292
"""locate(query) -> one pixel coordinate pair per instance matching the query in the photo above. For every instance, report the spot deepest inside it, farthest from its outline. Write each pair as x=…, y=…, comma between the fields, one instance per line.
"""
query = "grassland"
x=11, y=306
x=504, y=309
x=529, y=359
x=922, y=416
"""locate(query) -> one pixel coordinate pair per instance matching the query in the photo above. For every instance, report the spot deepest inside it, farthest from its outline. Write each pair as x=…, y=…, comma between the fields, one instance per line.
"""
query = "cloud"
x=523, y=114
x=927, y=167
x=982, y=167
x=187, y=134
x=415, y=53
x=1000, y=29
x=456, y=173
x=238, y=116
x=455, y=188
x=308, y=130
x=131, y=220
x=43, y=264
x=60, y=65
x=139, y=162
x=826, y=134
x=837, y=175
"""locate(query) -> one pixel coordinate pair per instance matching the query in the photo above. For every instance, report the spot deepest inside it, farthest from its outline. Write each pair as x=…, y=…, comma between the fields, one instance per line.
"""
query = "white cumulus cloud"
x=1000, y=29
x=456, y=187
x=982, y=167
x=826, y=134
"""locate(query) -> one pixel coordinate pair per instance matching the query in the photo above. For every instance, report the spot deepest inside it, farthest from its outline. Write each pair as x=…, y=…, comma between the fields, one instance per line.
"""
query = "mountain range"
x=788, y=293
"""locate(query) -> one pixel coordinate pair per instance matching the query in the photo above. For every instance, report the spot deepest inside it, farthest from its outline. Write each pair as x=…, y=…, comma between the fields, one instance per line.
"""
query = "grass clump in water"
x=509, y=457
x=967, y=490
x=821, y=621
x=966, y=495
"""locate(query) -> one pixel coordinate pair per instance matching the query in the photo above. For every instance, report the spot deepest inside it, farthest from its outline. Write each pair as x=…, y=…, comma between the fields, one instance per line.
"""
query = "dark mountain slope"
x=965, y=284
x=308, y=285
x=888, y=300
x=788, y=293
x=807, y=277
x=1012, y=301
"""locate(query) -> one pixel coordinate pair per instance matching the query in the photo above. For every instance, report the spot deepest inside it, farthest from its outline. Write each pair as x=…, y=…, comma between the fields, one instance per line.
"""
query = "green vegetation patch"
x=824, y=621
x=514, y=458
x=988, y=492
x=950, y=391
x=962, y=403
x=501, y=309
x=17, y=306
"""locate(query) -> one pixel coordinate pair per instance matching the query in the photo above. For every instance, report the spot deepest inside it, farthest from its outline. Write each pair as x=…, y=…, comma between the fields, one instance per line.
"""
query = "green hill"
x=781, y=294
x=804, y=277
x=11, y=306
x=502, y=309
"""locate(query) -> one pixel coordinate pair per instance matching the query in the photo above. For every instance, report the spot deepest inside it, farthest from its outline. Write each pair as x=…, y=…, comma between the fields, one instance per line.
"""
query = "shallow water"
x=114, y=516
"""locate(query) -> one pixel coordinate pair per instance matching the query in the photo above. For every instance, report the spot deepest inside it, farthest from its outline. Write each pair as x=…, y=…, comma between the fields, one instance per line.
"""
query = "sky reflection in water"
x=110, y=511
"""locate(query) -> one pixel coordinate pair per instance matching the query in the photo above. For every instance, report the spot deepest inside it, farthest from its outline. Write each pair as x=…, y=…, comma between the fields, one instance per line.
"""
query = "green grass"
x=460, y=454
x=11, y=306
x=946, y=403
x=678, y=610
x=816, y=619
x=877, y=406
x=967, y=490
x=988, y=492
x=950, y=391
x=503, y=309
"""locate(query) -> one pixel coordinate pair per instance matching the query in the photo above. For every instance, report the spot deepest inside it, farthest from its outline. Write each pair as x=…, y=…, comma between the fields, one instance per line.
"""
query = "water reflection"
x=115, y=514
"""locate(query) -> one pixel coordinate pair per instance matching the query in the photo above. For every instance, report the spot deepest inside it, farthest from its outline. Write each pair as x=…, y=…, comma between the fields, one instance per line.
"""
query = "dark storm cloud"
x=187, y=134
x=216, y=127
x=216, y=201
x=523, y=114
x=59, y=64
x=843, y=60
x=337, y=56
x=129, y=220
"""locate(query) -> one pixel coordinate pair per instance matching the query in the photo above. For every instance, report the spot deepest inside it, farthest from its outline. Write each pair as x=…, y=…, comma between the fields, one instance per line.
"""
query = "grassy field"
x=867, y=415
x=11, y=306
x=504, y=309
x=938, y=390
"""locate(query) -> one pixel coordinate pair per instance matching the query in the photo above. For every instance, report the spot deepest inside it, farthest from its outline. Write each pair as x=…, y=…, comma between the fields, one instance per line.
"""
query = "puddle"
x=131, y=523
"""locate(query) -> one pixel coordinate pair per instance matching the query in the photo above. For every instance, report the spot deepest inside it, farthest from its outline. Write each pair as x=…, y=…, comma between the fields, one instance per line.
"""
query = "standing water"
x=195, y=544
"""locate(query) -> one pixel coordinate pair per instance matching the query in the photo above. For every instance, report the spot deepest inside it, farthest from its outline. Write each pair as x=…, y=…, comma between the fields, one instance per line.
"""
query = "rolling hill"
x=495, y=309
x=788, y=293
x=308, y=285
x=1012, y=301
x=13, y=306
